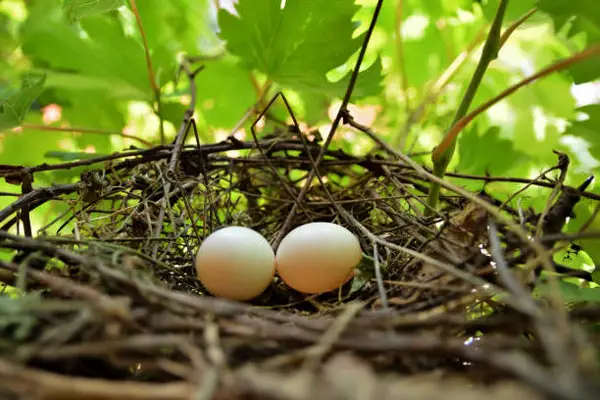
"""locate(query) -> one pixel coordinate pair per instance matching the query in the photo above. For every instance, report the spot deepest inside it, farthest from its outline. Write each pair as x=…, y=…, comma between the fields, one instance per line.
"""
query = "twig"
x=177, y=148
x=353, y=78
x=563, y=166
x=36, y=194
x=51, y=386
x=506, y=276
x=570, y=237
x=217, y=358
x=533, y=182
x=318, y=351
x=261, y=150
x=479, y=283
x=262, y=93
x=379, y=278
x=107, y=305
x=18, y=171
x=520, y=365
x=26, y=188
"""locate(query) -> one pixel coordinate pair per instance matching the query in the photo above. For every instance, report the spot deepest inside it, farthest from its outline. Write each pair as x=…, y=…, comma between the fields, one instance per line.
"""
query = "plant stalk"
x=488, y=54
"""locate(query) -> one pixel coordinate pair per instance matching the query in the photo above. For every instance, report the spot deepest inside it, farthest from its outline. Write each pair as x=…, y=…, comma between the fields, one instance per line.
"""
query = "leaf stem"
x=442, y=158
x=338, y=118
x=151, y=75
x=509, y=31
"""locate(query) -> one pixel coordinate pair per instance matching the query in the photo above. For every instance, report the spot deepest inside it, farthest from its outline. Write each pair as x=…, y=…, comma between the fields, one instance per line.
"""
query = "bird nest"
x=107, y=305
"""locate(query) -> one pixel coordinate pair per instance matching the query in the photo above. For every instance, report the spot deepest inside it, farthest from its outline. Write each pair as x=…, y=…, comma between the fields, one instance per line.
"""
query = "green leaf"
x=488, y=153
x=315, y=107
x=86, y=83
x=298, y=45
x=368, y=83
x=578, y=15
x=107, y=115
x=173, y=112
x=583, y=212
x=225, y=92
x=574, y=293
x=363, y=273
x=568, y=257
x=35, y=143
x=529, y=116
x=97, y=47
x=588, y=129
x=14, y=104
x=575, y=17
x=77, y=9
x=176, y=27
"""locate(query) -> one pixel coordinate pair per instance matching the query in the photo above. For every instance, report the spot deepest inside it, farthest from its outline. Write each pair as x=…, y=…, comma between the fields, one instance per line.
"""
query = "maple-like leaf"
x=297, y=45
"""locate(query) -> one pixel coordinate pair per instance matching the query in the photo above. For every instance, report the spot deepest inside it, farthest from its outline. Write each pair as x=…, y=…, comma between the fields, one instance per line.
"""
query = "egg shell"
x=317, y=257
x=235, y=262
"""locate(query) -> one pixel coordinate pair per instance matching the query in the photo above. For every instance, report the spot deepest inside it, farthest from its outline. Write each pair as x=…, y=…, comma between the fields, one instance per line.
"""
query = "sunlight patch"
x=413, y=28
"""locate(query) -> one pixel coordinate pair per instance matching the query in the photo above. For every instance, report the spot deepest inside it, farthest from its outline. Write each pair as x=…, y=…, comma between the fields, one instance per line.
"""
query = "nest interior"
x=106, y=303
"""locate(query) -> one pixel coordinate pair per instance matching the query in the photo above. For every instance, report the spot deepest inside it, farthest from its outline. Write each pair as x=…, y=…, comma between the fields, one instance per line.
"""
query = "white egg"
x=235, y=262
x=317, y=257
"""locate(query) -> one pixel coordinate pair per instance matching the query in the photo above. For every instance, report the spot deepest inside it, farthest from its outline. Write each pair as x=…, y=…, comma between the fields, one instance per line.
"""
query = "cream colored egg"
x=235, y=262
x=317, y=257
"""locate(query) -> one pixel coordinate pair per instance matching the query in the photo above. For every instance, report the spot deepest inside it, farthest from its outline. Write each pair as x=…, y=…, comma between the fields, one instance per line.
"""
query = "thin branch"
x=261, y=95
x=338, y=118
x=379, y=277
x=529, y=182
x=515, y=25
x=59, y=387
x=184, y=127
x=563, y=166
x=316, y=353
x=506, y=276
